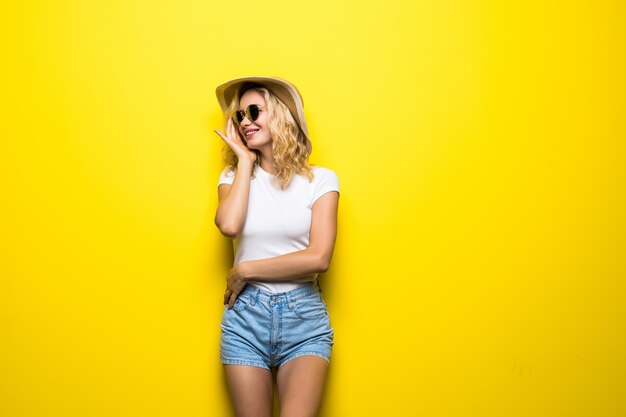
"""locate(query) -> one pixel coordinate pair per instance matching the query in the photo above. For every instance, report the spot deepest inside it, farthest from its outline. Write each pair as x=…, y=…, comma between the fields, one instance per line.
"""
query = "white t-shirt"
x=278, y=221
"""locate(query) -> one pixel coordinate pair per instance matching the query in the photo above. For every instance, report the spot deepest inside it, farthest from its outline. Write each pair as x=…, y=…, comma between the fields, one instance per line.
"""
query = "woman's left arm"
x=296, y=266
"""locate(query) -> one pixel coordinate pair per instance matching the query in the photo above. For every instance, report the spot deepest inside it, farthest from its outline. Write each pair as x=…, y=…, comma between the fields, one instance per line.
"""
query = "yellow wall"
x=481, y=151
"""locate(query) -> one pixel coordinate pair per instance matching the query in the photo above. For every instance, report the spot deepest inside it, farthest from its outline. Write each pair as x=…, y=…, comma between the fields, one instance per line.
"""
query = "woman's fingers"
x=234, y=133
x=231, y=302
x=230, y=137
x=221, y=135
x=231, y=129
x=234, y=284
x=235, y=142
x=230, y=297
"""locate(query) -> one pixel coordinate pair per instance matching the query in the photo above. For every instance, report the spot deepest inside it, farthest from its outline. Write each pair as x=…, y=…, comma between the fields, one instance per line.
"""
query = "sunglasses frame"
x=246, y=113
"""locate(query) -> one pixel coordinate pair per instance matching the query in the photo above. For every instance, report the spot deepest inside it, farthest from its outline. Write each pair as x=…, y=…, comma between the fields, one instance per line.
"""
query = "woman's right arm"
x=232, y=207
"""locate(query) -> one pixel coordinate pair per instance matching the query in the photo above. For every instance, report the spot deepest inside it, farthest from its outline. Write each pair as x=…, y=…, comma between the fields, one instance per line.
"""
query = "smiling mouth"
x=251, y=133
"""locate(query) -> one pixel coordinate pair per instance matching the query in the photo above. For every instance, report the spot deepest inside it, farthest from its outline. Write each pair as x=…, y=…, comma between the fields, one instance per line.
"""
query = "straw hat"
x=283, y=89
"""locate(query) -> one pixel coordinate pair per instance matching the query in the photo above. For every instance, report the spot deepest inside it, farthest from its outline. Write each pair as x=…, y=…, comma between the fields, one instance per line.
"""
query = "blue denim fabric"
x=266, y=329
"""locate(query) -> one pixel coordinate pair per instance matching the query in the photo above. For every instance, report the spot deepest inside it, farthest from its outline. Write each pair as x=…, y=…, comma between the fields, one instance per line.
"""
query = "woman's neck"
x=267, y=163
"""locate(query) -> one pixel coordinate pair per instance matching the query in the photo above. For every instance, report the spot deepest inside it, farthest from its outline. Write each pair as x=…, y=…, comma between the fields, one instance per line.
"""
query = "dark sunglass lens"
x=238, y=117
x=253, y=112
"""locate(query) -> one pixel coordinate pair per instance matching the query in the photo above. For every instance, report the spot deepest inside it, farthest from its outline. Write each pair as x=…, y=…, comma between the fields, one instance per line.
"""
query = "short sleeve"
x=226, y=177
x=325, y=180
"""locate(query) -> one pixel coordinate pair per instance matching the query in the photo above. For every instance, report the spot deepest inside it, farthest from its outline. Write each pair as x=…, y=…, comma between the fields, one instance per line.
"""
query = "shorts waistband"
x=257, y=294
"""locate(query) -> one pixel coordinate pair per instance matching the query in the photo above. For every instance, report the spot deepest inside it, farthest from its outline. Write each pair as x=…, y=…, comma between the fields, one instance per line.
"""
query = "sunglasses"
x=251, y=112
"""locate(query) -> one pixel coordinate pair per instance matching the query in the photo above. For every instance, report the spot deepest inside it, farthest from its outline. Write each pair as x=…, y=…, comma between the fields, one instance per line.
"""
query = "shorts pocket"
x=242, y=302
x=311, y=307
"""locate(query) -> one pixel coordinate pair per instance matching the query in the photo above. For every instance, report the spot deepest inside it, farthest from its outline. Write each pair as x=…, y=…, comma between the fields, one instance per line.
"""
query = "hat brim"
x=283, y=89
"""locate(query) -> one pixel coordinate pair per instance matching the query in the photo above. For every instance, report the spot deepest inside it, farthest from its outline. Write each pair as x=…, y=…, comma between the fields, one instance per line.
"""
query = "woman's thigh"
x=251, y=390
x=301, y=383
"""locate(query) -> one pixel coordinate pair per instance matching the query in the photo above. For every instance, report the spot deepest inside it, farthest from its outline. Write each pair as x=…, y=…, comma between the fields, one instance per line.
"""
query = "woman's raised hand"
x=233, y=140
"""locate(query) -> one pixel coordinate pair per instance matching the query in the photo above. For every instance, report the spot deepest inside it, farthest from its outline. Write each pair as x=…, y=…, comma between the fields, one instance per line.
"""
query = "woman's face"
x=256, y=133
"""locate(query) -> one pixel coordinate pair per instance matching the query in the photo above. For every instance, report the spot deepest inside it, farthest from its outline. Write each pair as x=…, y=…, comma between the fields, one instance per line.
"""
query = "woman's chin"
x=255, y=144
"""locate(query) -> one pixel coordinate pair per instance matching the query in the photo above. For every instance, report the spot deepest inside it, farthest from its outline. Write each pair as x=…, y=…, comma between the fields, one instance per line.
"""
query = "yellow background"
x=481, y=152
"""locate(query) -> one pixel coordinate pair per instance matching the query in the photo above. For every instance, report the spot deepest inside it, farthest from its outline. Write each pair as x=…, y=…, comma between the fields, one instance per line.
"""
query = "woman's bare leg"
x=250, y=390
x=300, y=384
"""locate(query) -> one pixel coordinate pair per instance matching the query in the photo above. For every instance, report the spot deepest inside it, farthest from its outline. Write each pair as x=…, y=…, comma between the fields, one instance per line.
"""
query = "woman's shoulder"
x=323, y=174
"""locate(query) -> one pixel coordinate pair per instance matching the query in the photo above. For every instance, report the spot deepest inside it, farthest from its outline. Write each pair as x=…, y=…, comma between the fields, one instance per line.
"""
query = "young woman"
x=282, y=214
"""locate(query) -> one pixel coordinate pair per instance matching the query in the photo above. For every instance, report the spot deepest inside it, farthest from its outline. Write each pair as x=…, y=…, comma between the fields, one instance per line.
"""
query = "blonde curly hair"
x=289, y=144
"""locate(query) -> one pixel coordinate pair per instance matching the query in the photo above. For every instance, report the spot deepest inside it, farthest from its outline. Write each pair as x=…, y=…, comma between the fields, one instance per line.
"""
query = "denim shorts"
x=266, y=329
